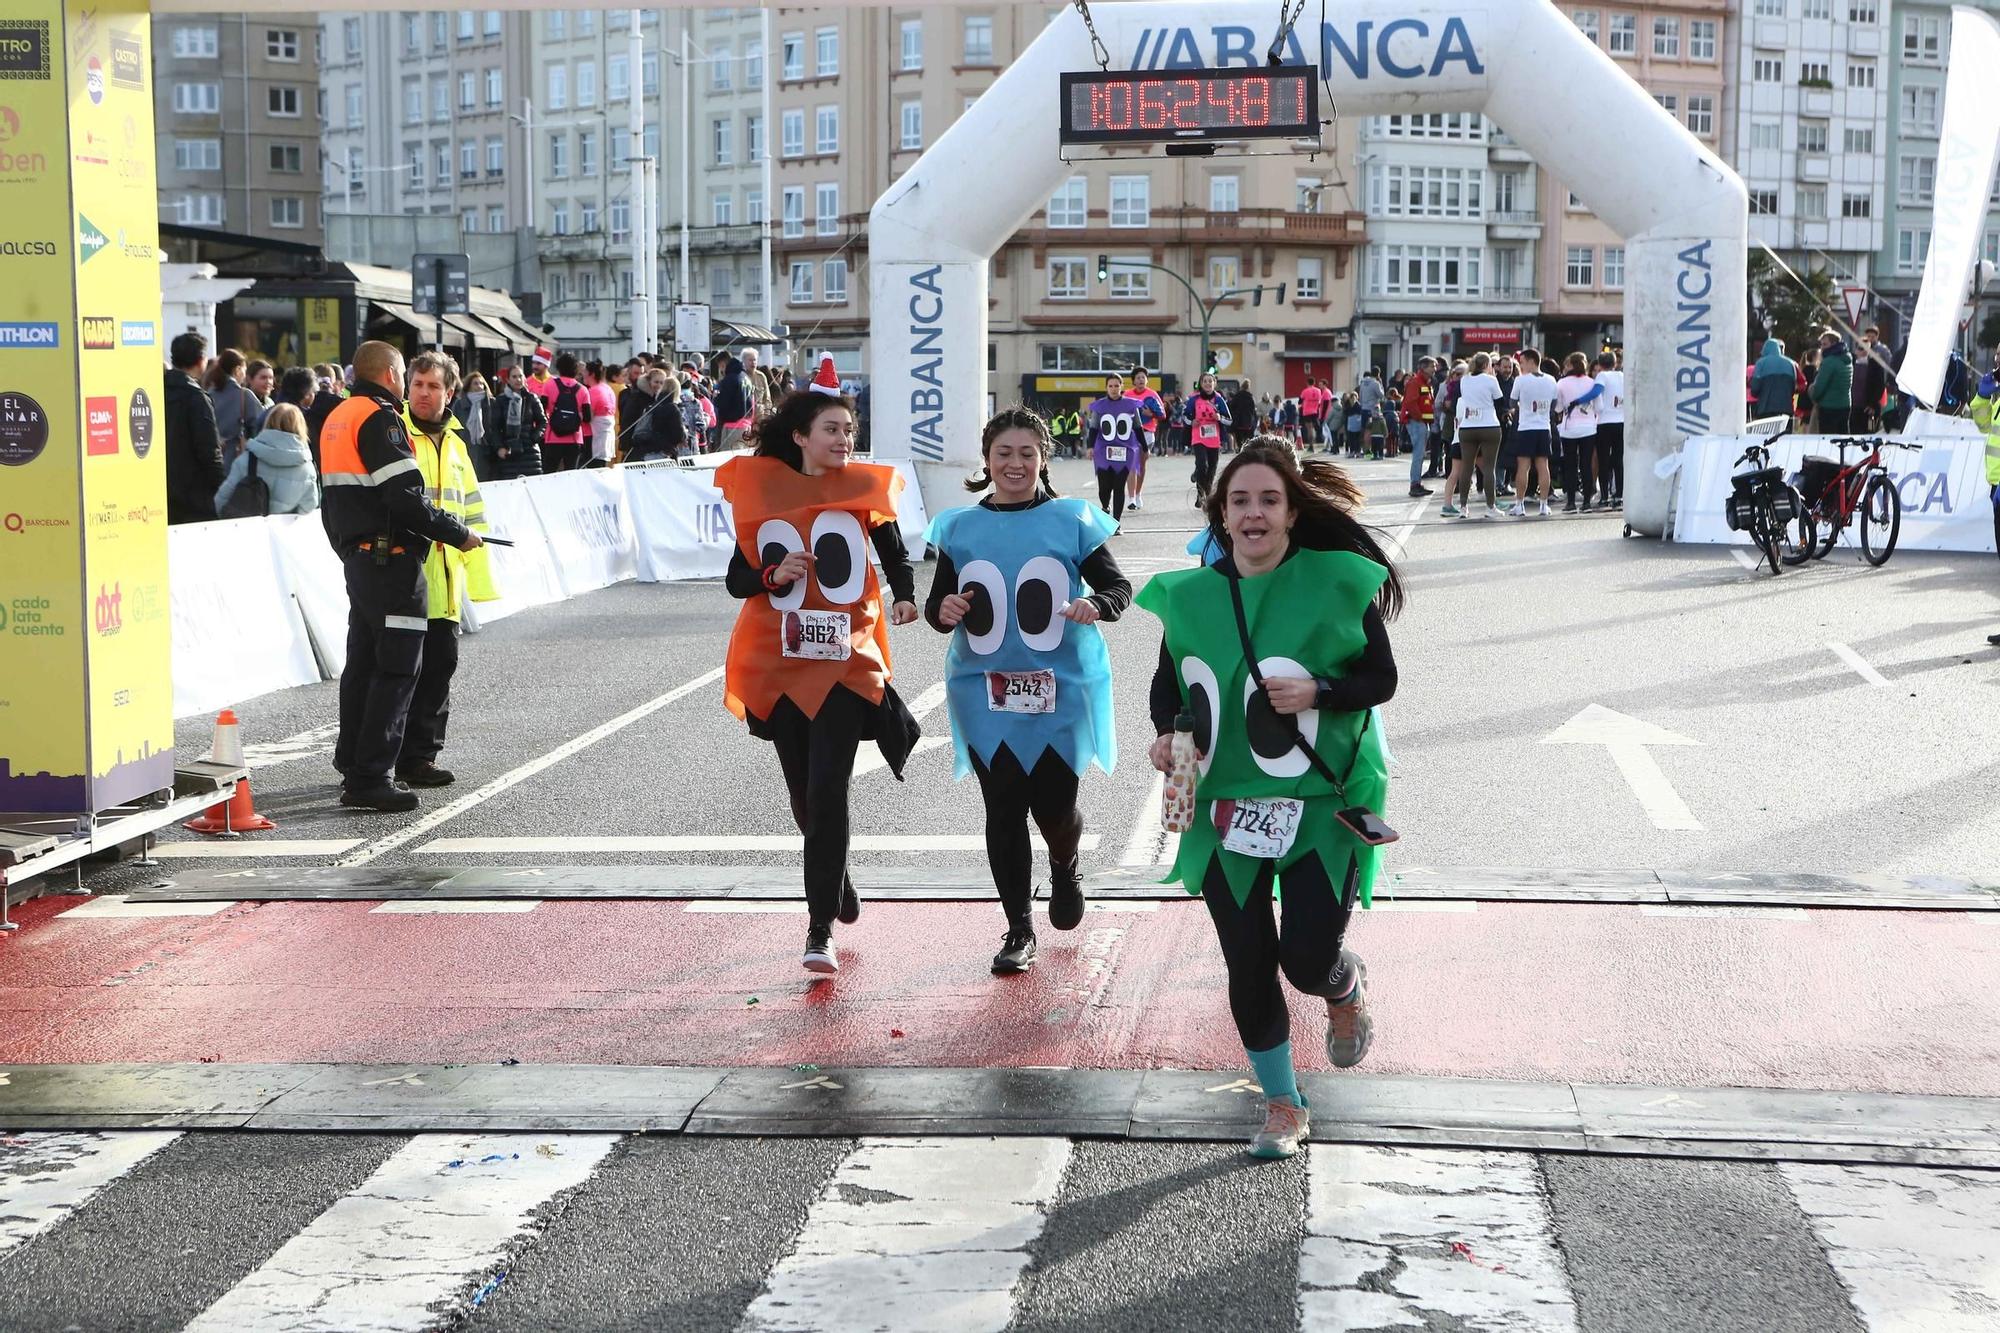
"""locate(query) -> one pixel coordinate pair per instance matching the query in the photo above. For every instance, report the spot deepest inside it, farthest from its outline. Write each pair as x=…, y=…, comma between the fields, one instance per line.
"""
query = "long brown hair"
x=1326, y=501
x=1014, y=418
x=794, y=414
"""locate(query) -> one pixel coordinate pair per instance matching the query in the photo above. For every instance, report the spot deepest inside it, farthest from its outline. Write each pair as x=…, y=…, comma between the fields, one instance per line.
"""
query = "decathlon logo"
x=926, y=339
x=1405, y=48
x=36, y=334
x=136, y=333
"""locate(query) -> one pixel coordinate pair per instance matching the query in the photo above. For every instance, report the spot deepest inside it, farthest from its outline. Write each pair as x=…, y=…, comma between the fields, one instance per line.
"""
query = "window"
x=1814, y=73
x=722, y=138
x=1913, y=247
x=197, y=154
x=793, y=215
x=443, y=178
x=1464, y=126
x=1308, y=284
x=753, y=138
x=1667, y=38
x=350, y=37
x=1614, y=268
x=558, y=288
x=826, y=207
x=282, y=100
x=753, y=205
x=586, y=23
x=753, y=65
x=1701, y=115
x=288, y=158
x=1857, y=206
x=792, y=55
x=1812, y=136
x=720, y=283
x=1097, y=355
x=413, y=33
x=1069, y=278
x=1131, y=201
x=496, y=157
x=440, y=30
x=910, y=118
x=413, y=161
x=469, y=220
x=979, y=41
x=792, y=133
x=559, y=217
x=1224, y=194
x=1130, y=283
x=621, y=149
x=833, y=284
x=468, y=160
x=468, y=28
x=1861, y=74
x=721, y=207
x=1579, y=266
x=1068, y=205
x=496, y=218
x=1770, y=9
x=617, y=78
x=1224, y=273
x=719, y=62
x=558, y=25
x=913, y=44
x=1768, y=69
x=1701, y=39
x=1920, y=108
x=468, y=90
x=649, y=78
x=1426, y=192
x=826, y=130
x=802, y=282
x=559, y=155
x=198, y=210
x=1863, y=11
x=1812, y=201
x=491, y=28
x=826, y=53
x=1923, y=40
x=1764, y=134
x=1816, y=9
x=352, y=98
x=558, y=85
x=440, y=98
x=413, y=101
x=1586, y=23
x=200, y=43
x=1624, y=34
x=1764, y=203
x=586, y=153
x=282, y=44
x=1424, y=270
x=1859, y=141
x=1670, y=103
x=586, y=82
x=621, y=219
x=1914, y=178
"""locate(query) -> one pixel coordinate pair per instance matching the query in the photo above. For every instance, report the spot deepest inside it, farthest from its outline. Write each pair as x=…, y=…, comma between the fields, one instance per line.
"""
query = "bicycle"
x=1775, y=515
x=1862, y=493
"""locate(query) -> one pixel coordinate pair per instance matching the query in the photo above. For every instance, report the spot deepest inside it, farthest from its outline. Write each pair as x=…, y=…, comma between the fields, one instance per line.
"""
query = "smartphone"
x=1366, y=825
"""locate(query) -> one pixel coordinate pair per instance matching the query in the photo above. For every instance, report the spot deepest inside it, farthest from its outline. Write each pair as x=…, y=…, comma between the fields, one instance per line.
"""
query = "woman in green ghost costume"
x=1315, y=590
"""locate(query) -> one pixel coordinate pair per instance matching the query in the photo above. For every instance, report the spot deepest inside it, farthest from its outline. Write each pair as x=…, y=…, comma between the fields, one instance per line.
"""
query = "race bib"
x=1021, y=691
x=1264, y=829
x=820, y=636
x=1115, y=453
x=1207, y=431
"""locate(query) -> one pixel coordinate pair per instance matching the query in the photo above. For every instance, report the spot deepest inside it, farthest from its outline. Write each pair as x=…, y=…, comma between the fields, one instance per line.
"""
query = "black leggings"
x=1204, y=468
x=1610, y=459
x=1306, y=950
x=1111, y=490
x=1012, y=796
x=1576, y=466
x=817, y=755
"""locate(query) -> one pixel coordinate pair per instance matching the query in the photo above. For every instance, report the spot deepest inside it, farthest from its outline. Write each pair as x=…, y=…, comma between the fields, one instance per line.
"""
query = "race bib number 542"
x=1021, y=691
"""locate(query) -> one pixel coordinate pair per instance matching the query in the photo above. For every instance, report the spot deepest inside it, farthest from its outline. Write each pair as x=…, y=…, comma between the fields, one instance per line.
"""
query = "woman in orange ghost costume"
x=808, y=665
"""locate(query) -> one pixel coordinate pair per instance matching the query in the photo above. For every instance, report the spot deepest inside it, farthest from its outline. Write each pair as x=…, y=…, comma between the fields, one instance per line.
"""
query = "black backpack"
x=565, y=416
x=252, y=496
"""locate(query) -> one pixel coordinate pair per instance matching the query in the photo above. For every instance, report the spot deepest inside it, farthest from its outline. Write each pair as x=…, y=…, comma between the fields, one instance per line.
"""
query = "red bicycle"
x=1862, y=493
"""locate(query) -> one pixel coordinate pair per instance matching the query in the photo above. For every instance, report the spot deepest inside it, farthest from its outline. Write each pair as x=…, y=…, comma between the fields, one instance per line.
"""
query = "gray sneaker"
x=1285, y=1129
x=1349, y=1029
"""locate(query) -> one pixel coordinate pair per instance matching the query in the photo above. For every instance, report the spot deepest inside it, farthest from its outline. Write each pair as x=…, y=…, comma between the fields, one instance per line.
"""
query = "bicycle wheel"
x=1827, y=523
x=1881, y=519
x=1764, y=531
x=1796, y=538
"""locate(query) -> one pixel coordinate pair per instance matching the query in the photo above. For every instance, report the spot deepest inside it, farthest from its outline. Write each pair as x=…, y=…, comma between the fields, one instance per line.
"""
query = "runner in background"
x=1534, y=394
x=1028, y=677
x=1113, y=431
x=1611, y=431
x=1152, y=413
x=1577, y=395
x=1207, y=417
x=566, y=446
x=603, y=385
x=808, y=665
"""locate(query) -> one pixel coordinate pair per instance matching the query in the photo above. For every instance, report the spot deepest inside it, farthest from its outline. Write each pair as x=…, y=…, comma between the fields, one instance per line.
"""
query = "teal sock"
x=1274, y=1072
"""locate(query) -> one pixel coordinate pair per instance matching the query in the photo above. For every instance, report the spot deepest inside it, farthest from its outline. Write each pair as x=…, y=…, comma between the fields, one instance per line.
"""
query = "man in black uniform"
x=381, y=523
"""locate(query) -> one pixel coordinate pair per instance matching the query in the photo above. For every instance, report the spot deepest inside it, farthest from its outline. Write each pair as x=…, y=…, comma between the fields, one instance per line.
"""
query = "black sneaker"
x=1017, y=951
x=1993, y=639
x=425, y=774
x=1066, y=895
x=387, y=797
x=850, y=902
x=820, y=956
x=1416, y=491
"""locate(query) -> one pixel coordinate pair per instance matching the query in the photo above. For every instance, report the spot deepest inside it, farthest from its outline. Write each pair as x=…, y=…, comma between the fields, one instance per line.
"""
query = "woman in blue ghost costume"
x=1028, y=680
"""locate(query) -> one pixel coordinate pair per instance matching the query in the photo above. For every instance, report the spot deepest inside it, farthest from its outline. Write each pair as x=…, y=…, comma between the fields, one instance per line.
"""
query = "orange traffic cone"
x=237, y=814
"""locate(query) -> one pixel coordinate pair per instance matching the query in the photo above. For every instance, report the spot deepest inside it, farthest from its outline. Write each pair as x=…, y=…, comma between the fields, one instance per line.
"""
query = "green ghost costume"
x=1305, y=619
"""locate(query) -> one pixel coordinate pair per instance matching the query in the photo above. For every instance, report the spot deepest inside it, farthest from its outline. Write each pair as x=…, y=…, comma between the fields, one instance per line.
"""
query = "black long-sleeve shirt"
x=747, y=580
x=1111, y=591
x=1369, y=682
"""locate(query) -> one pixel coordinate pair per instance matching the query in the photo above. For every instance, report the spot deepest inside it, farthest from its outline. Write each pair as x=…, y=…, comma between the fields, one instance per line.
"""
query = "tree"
x=1781, y=309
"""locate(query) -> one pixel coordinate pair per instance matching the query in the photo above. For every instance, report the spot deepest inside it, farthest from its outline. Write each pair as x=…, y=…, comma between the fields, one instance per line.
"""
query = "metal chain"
x=1097, y=49
x=1288, y=14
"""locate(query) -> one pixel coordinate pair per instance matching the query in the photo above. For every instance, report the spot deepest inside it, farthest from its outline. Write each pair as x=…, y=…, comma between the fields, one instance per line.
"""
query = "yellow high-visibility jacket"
x=453, y=486
x=1982, y=415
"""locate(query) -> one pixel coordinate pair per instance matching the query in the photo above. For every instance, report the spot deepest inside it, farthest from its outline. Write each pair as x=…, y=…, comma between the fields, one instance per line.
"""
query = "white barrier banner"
x=684, y=527
x=589, y=527
x=312, y=571
x=524, y=573
x=238, y=632
x=1946, y=501
x=910, y=511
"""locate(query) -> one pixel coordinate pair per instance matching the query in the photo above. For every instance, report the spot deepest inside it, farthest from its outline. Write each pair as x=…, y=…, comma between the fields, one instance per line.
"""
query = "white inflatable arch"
x=1682, y=211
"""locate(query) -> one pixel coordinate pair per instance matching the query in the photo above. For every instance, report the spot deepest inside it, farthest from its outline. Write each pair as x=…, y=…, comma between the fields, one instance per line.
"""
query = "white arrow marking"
x=1240, y=1085
x=411, y=1080
x=1627, y=738
x=822, y=1081
x=1858, y=663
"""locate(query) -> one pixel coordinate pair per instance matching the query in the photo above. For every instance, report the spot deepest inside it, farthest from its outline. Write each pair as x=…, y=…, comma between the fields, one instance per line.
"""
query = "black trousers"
x=387, y=624
x=1256, y=948
x=1204, y=468
x=1111, y=490
x=1013, y=796
x=1610, y=459
x=430, y=705
x=1576, y=466
x=817, y=755
x=564, y=457
x=1836, y=420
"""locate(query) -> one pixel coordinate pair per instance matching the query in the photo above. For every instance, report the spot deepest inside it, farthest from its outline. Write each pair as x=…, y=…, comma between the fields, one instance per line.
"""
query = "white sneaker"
x=1286, y=1128
x=1517, y=510
x=1491, y=512
x=1546, y=511
x=1133, y=503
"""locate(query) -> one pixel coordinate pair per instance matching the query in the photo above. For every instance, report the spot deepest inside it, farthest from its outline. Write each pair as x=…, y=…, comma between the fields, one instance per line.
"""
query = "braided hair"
x=1014, y=418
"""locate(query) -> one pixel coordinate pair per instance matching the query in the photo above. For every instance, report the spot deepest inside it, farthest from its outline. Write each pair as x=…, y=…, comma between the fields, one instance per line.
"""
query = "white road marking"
x=1150, y=843
x=1451, y=905
x=693, y=842
x=1743, y=557
x=1410, y=1238
x=515, y=776
x=869, y=759
x=46, y=1177
x=305, y=745
x=916, y=1234
x=1914, y=1247
x=187, y=851
x=1401, y=536
x=1859, y=663
x=1627, y=738
x=452, y=906
x=112, y=906
x=724, y=907
x=434, y=1219
x=1720, y=910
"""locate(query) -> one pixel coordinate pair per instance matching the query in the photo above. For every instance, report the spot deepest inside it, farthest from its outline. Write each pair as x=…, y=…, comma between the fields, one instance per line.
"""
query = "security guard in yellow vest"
x=450, y=574
x=1985, y=405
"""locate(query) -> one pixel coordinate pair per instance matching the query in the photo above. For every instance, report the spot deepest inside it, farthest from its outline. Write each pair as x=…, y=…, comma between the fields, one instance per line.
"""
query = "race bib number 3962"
x=820, y=636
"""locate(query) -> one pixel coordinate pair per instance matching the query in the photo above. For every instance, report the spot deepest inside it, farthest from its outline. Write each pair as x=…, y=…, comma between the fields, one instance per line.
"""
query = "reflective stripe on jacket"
x=1982, y=415
x=452, y=486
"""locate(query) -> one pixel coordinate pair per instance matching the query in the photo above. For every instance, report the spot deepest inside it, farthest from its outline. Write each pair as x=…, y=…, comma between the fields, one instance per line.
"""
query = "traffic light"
x=1103, y=268
x=1281, y=293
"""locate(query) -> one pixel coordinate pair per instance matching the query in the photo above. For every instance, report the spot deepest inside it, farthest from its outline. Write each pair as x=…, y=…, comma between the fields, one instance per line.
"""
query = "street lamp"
x=1207, y=308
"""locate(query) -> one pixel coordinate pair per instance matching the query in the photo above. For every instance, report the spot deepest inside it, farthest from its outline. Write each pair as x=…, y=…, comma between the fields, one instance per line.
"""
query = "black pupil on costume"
x=1203, y=709
x=1035, y=606
x=1270, y=735
x=979, y=617
x=774, y=552
x=833, y=562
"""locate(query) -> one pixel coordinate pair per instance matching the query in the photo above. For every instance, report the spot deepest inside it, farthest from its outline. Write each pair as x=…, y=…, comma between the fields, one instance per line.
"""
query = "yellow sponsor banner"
x=320, y=318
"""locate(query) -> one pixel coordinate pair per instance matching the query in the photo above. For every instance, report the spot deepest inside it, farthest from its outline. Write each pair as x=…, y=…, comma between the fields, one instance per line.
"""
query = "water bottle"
x=1177, y=799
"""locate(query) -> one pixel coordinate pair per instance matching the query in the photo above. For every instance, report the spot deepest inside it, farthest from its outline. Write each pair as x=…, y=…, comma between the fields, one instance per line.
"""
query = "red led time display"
x=1170, y=106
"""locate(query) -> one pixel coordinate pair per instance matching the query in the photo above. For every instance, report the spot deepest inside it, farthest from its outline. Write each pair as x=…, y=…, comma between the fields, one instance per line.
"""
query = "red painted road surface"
x=1887, y=1001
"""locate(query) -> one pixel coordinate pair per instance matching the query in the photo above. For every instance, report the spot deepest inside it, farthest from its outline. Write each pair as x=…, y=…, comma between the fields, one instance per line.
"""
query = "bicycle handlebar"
x=1844, y=443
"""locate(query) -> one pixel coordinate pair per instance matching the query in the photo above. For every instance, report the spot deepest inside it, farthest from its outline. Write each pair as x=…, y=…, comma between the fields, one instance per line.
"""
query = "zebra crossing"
x=227, y=1231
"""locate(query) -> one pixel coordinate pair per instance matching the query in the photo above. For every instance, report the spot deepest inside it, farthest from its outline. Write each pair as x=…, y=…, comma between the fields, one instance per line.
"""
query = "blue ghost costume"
x=1027, y=563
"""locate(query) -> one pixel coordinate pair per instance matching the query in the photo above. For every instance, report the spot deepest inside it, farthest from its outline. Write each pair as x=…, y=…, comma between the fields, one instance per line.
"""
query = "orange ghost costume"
x=777, y=509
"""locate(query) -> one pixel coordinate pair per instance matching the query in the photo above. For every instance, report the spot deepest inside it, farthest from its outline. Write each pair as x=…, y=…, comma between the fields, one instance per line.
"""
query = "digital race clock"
x=1173, y=106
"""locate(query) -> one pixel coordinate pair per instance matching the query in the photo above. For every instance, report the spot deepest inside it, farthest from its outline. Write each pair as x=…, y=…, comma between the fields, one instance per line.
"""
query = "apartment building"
x=726, y=140
x=236, y=120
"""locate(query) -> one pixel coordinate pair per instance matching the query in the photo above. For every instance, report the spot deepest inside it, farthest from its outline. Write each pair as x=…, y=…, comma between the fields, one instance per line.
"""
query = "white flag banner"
x=1968, y=153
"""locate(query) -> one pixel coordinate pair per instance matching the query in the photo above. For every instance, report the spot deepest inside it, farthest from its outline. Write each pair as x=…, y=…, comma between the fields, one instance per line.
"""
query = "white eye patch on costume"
x=840, y=558
x=1035, y=599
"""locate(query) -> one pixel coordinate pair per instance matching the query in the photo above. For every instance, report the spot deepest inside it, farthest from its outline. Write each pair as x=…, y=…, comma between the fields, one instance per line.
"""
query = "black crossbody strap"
x=1320, y=765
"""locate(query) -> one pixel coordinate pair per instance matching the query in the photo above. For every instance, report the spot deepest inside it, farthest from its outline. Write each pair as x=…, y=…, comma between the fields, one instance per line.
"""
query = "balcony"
x=1511, y=295
x=1514, y=225
x=1815, y=166
x=711, y=240
x=1269, y=224
x=572, y=245
x=1500, y=147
